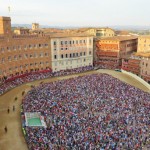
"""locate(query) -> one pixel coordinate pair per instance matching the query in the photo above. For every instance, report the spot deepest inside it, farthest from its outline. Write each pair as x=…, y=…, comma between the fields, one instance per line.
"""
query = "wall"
x=75, y=61
x=137, y=77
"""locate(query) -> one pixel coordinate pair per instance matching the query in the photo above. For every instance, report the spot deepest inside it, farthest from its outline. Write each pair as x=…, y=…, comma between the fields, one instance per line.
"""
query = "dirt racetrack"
x=14, y=139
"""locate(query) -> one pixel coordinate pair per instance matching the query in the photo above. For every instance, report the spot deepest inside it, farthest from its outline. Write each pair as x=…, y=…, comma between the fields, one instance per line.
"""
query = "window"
x=66, y=55
x=54, y=43
x=55, y=56
x=65, y=42
x=70, y=55
x=46, y=54
x=62, y=56
x=70, y=42
x=80, y=53
x=30, y=46
x=77, y=54
x=46, y=45
x=73, y=54
x=61, y=42
x=8, y=48
x=146, y=64
x=84, y=53
x=20, y=56
x=15, y=57
x=61, y=48
x=89, y=52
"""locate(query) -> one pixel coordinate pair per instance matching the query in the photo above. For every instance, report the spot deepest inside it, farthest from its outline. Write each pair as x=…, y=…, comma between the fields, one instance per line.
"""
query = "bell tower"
x=35, y=26
x=5, y=25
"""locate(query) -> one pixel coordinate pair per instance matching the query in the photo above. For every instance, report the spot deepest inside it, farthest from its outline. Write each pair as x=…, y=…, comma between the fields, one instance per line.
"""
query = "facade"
x=139, y=64
x=21, y=54
x=105, y=32
x=97, y=32
x=21, y=31
x=24, y=52
x=143, y=44
x=71, y=51
x=35, y=26
x=132, y=65
x=110, y=51
x=145, y=68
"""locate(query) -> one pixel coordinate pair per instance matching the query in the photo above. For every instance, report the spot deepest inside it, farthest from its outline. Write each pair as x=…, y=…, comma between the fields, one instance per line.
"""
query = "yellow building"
x=105, y=32
x=144, y=44
x=22, y=31
x=98, y=32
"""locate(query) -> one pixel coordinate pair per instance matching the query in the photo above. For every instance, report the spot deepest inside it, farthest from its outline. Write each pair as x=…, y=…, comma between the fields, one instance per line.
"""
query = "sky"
x=78, y=12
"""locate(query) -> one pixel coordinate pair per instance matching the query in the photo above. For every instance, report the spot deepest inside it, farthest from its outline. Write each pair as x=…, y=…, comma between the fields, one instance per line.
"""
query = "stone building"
x=22, y=53
x=105, y=32
x=139, y=63
x=97, y=32
x=71, y=51
x=110, y=51
x=144, y=44
x=21, y=31
x=35, y=26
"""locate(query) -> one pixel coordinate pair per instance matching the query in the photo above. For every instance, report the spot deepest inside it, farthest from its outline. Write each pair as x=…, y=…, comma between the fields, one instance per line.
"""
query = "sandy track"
x=14, y=139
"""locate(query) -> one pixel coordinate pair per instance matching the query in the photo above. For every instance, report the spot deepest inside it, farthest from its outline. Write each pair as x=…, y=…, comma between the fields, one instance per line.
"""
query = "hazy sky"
x=78, y=12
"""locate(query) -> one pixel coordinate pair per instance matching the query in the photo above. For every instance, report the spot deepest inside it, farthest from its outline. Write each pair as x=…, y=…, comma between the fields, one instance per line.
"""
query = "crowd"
x=92, y=112
x=105, y=65
x=9, y=84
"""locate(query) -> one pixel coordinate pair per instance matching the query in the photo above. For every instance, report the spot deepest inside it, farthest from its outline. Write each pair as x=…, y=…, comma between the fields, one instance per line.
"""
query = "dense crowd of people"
x=107, y=66
x=92, y=112
x=9, y=84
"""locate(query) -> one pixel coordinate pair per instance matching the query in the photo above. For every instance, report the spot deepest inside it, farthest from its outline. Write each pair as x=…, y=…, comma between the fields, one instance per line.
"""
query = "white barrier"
x=136, y=77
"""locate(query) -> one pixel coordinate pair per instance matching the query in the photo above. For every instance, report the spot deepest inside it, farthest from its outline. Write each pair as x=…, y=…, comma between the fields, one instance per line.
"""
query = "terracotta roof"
x=123, y=32
x=59, y=35
x=119, y=38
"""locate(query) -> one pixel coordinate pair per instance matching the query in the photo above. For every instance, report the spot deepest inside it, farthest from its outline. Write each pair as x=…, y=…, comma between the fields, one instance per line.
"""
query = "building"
x=22, y=53
x=21, y=31
x=132, y=65
x=97, y=32
x=71, y=51
x=111, y=50
x=105, y=32
x=144, y=44
x=139, y=64
x=35, y=26
x=144, y=65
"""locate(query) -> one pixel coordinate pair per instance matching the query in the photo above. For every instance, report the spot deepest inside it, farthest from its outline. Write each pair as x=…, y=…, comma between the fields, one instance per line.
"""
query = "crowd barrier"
x=137, y=78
